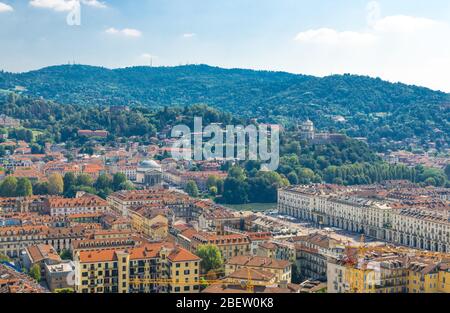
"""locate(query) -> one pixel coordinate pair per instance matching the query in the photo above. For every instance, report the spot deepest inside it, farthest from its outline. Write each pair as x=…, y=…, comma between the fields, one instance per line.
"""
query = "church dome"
x=149, y=164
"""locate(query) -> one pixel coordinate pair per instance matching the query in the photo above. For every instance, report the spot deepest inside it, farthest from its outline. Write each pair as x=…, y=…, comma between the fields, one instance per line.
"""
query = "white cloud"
x=56, y=5
x=189, y=35
x=331, y=36
x=65, y=5
x=403, y=48
x=95, y=4
x=5, y=7
x=127, y=32
x=405, y=24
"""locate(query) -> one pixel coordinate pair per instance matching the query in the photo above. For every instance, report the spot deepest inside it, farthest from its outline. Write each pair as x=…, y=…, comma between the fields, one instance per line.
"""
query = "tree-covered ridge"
x=60, y=123
x=371, y=107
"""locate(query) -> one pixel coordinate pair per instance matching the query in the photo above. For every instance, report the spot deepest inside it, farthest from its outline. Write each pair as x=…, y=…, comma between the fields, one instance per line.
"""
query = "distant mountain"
x=370, y=107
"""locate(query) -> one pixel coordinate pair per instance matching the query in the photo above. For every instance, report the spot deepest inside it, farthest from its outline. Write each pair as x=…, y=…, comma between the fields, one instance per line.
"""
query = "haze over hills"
x=371, y=107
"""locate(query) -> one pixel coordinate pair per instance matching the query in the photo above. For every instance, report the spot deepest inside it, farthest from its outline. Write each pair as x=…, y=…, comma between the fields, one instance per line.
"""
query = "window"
x=187, y=288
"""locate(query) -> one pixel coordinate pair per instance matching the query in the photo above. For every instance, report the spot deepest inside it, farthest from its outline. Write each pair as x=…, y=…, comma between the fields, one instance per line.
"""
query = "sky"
x=396, y=40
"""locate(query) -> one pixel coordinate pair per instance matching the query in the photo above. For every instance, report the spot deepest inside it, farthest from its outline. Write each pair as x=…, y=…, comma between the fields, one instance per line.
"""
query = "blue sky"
x=397, y=40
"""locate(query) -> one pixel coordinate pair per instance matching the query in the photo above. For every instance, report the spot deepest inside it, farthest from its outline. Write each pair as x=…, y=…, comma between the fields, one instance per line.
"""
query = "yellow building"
x=390, y=274
x=183, y=271
x=156, y=267
x=150, y=221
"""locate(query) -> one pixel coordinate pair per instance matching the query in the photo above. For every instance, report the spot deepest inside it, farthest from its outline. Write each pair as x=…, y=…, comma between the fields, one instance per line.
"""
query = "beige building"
x=153, y=222
x=281, y=268
x=229, y=245
x=390, y=273
x=68, y=206
x=377, y=212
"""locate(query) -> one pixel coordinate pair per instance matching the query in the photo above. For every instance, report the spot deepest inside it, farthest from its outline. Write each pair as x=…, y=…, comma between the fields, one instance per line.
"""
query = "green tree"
x=8, y=187
x=66, y=255
x=24, y=187
x=85, y=180
x=55, y=184
x=293, y=178
x=447, y=171
x=70, y=180
x=103, y=182
x=128, y=185
x=192, y=189
x=264, y=186
x=220, y=184
x=213, y=190
x=211, y=258
x=235, y=191
x=119, y=179
x=237, y=172
x=40, y=188
x=35, y=272
x=212, y=181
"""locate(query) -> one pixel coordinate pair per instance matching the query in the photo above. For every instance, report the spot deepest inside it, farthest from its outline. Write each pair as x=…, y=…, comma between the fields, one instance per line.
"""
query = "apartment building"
x=151, y=221
x=40, y=255
x=182, y=269
x=312, y=252
x=390, y=273
x=280, y=250
x=214, y=218
x=60, y=276
x=374, y=210
x=15, y=239
x=181, y=204
x=229, y=245
x=82, y=205
x=22, y=204
x=149, y=268
x=128, y=170
x=181, y=178
x=281, y=268
x=106, y=239
x=257, y=277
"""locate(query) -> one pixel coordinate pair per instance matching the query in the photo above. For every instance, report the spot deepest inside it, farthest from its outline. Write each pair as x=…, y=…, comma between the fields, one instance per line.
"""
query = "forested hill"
x=371, y=107
x=235, y=90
